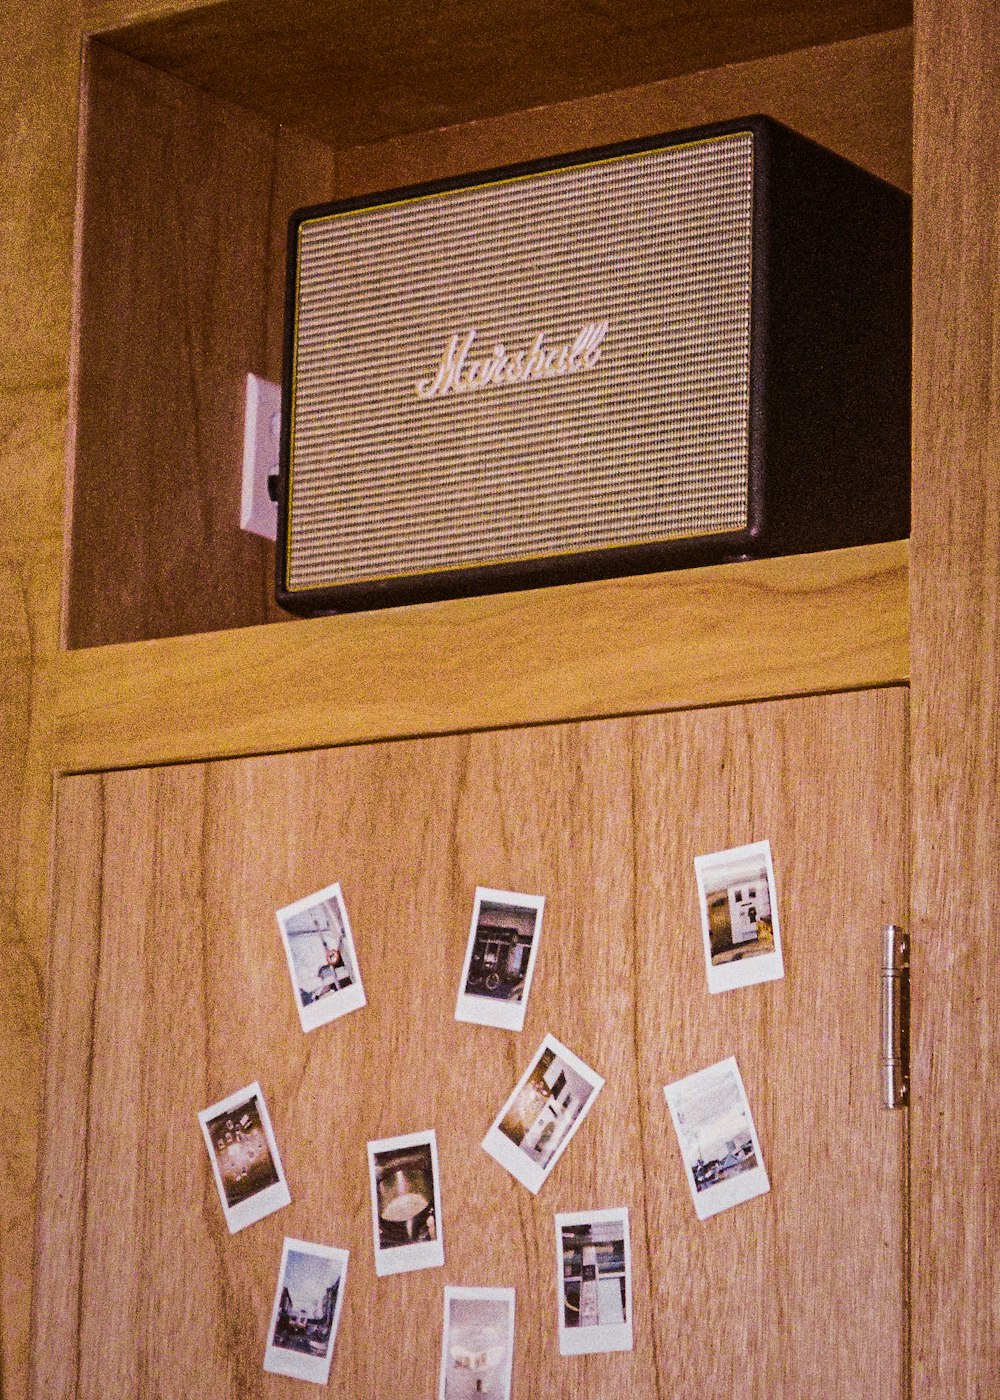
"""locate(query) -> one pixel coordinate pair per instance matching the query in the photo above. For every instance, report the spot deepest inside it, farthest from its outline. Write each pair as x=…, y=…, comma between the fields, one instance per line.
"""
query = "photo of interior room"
x=242, y=1152
x=546, y=1108
x=404, y=1179
x=500, y=951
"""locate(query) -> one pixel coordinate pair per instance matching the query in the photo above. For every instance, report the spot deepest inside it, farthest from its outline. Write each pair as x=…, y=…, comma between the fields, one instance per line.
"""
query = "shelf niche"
x=185, y=198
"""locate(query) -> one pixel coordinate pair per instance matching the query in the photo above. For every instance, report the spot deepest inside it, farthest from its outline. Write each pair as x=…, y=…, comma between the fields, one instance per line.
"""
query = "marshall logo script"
x=458, y=374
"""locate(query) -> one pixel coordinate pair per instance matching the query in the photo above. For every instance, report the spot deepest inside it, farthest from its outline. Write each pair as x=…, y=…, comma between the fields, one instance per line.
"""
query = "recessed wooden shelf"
x=192, y=163
x=766, y=629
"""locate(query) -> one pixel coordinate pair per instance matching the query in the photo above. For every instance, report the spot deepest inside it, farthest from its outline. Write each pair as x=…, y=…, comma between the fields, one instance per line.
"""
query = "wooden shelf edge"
x=102, y=17
x=766, y=629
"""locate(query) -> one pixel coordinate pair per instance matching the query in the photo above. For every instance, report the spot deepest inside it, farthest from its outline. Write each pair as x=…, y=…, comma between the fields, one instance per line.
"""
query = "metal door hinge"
x=895, y=1018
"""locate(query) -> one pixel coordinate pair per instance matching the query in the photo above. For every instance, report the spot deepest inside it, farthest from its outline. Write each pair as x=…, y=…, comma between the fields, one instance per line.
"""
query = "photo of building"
x=544, y=1111
x=307, y=1304
x=594, y=1274
x=242, y=1152
x=737, y=904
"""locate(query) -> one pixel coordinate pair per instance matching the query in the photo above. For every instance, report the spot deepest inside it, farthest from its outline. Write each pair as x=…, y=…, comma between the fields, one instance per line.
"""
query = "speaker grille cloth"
x=650, y=443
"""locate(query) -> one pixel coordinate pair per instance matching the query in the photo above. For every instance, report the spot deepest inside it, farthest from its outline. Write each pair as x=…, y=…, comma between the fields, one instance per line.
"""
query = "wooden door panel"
x=797, y=1293
x=169, y=990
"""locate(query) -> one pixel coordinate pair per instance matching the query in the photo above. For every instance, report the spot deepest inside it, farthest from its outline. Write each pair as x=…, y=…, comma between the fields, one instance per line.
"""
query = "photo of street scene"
x=594, y=1273
x=500, y=958
x=716, y=1135
x=242, y=1153
x=478, y=1338
x=545, y=1108
x=501, y=948
x=307, y=1302
x=714, y=1121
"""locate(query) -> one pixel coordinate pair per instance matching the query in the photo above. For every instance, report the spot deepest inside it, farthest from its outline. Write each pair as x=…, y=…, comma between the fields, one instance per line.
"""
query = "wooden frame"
x=760, y=630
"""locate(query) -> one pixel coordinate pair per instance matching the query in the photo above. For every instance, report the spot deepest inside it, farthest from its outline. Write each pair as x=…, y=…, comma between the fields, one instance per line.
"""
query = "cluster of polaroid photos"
x=709, y=1110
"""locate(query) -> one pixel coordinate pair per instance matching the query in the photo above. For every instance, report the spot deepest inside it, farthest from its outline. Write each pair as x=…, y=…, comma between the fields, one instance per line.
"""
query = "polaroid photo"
x=406, y=1203
x=500, y=958
x=718, y=1141
x=594, y=1282
x=306, y=1312
x=477, y=1343
x=739, y=917
x=322, y=961
x=534, y=1127
x=244, y=1157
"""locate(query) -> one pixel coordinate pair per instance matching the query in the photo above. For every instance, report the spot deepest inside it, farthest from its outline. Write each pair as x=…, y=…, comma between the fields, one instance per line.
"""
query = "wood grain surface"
x=349, y=73
x=955, y=612
x=38, y=86
x=855, y=97
x=773, y=627
x=169, y=989
x=182, y=257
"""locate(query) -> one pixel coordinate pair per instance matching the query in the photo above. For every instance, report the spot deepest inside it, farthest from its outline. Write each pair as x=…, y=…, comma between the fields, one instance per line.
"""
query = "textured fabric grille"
x=650, y=444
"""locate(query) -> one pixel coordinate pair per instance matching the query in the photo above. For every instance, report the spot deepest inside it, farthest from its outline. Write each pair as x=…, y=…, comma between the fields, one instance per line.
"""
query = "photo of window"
x=594, y=1282
x=322, y=961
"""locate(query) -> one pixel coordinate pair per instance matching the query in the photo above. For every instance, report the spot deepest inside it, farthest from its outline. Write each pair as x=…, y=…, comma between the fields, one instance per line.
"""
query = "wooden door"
x=169, y=990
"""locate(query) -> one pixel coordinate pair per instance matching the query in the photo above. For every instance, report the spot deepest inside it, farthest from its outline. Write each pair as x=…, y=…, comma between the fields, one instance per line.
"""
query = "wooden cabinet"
x=169, y=989
x=131, y=351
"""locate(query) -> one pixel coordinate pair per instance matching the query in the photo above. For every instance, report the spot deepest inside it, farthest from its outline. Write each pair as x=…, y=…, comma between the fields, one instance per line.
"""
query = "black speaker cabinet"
x=678, y=351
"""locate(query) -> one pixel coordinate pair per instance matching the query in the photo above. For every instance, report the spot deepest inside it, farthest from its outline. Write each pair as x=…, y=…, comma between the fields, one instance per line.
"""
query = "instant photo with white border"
x=328, y=985
x=740, y=882
x=497, y=972
x=485, y=1345
x=307, y=1277
x=425, y=1248
x=556, y=1103
x=715, y=1131
x=251, y=1205
x=605, y=1310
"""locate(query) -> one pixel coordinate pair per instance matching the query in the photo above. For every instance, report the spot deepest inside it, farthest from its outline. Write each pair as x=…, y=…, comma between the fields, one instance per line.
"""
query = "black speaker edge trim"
x=463, y=582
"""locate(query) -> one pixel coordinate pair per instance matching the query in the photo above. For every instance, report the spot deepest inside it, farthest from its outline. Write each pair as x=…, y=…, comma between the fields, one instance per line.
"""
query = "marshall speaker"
x=678, y=351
